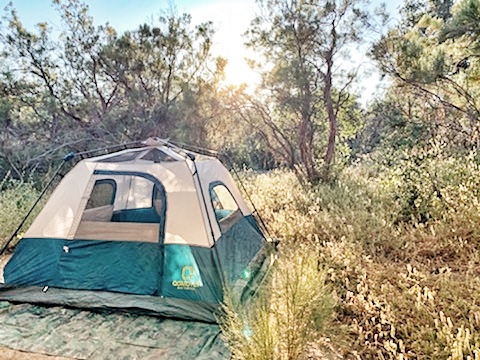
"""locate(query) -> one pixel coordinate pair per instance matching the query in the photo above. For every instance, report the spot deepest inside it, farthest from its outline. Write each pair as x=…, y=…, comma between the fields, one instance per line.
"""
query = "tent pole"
x=106, y=148
x=237, y=175
x=67, y=158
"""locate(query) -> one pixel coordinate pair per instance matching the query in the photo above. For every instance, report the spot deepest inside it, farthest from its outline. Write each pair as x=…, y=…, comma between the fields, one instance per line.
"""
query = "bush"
x=287, y=316
x=16, y=199
x=400, y=249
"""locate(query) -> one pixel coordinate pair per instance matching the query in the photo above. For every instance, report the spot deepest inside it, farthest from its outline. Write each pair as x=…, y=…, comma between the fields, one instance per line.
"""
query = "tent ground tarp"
x=80, y=334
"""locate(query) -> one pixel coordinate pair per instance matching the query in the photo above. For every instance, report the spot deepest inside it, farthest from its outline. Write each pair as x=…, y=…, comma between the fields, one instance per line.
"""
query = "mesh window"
x=226, y=209
x=103, y=193
x=157, y=156
x=126, y=207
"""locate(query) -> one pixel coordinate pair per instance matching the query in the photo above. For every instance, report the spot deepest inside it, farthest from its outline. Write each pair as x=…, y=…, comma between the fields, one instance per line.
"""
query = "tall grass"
x=398, y=250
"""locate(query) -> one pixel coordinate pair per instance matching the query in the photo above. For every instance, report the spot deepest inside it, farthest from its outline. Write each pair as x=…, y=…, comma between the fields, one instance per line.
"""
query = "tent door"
x=120, y=234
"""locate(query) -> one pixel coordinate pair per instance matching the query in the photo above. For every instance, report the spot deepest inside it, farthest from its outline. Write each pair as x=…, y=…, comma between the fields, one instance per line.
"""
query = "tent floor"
x=46, y=333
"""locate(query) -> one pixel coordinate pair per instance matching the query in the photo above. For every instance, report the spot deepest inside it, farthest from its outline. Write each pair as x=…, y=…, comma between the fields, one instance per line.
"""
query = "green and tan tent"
x=155, y=228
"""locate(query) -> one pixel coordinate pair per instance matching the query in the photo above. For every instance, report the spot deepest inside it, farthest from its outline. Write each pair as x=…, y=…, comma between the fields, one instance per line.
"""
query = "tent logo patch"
x=190, y=279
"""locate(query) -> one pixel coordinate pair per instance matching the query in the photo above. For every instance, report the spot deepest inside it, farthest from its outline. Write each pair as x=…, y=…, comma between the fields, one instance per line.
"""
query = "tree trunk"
x=305, y=138
x=332, y=118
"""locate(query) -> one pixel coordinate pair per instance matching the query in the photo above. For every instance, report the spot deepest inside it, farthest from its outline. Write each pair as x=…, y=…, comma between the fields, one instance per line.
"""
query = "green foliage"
x=283, y=321
x=434, y=63
x=400, y=245
x=389, y=129
x=16, y=199
x=464, y=22
x=87, y=86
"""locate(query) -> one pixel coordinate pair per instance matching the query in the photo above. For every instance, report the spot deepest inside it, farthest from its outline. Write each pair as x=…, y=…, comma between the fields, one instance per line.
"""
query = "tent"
x=157, y=228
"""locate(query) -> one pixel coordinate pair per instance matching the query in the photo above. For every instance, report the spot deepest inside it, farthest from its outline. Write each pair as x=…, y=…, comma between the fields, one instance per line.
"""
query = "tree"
x=431, y=57
x=301, y=45
x=89, y=86
x=158, y=66
x=62, y=83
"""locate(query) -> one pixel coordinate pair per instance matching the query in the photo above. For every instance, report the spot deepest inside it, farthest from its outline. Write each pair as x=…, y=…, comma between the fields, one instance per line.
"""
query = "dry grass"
x=401, y=248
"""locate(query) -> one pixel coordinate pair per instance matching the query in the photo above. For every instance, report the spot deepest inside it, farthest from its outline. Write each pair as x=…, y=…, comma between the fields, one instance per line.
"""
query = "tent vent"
x=157, y=156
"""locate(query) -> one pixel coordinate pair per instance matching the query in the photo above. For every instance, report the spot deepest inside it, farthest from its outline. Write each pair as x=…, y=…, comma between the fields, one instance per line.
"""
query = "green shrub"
x=16, y=199
x=287, y=316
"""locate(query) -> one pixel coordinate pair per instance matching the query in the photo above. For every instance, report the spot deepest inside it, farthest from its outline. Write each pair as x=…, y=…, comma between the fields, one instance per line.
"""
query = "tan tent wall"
x=185, y=215
x=188, y=218
x=210, y=171
x=58, y=215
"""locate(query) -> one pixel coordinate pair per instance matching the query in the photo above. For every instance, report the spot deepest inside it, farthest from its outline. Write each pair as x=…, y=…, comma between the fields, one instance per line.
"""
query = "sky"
x=231, y=19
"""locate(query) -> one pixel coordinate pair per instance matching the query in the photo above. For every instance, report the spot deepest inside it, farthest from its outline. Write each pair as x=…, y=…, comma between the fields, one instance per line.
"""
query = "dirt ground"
x=9, y=354
x=3, y=261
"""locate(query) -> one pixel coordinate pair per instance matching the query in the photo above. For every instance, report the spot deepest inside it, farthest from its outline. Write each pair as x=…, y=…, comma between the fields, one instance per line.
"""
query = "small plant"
x=287, y=316
x=249, y=330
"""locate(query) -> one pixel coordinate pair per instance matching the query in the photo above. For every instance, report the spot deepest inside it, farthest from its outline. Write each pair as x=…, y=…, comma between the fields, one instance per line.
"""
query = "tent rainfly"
x=157, y=229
